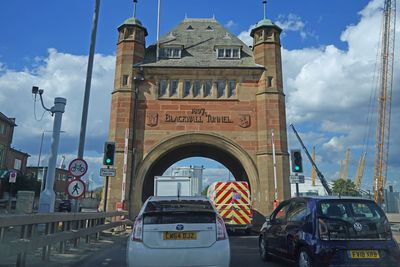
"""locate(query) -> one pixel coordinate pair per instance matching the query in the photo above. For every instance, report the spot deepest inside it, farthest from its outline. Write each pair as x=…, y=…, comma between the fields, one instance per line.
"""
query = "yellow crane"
x=384, y=99
x=346, y=164
x=313, y=172
x=360, y=170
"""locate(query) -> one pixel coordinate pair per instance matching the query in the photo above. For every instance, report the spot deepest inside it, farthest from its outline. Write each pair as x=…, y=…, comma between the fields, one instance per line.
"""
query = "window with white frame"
x=17, y=164
x=228, y=52
x=171, y=52
x=3, y=128
x=173, y=88
x=207, y=88
x=125, y=80
x=231, y=88
x=163, y=87
x=196, y=88
x=2, y=152
x=221, y=88
x=186, y=88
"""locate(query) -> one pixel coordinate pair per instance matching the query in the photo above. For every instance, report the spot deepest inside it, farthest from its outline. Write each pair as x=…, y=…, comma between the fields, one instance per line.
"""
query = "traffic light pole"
x=105, y=193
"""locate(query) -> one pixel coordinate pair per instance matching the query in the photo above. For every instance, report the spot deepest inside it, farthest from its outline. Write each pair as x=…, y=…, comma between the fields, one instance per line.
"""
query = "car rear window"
x=349, y=209
x=178, y=217
x=183, y=205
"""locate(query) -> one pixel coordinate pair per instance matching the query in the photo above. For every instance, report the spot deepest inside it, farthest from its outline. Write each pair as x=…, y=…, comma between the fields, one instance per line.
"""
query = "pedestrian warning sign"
x=76, y=188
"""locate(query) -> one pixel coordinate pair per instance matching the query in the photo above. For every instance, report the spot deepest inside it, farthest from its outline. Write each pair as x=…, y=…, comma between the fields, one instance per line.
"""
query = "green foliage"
x=204, y=192
x=23, y=183
x=344, y=188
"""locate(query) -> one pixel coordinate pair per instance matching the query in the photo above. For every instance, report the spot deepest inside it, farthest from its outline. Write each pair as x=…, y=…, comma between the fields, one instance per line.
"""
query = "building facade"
x=10, y=158
x=200, y=92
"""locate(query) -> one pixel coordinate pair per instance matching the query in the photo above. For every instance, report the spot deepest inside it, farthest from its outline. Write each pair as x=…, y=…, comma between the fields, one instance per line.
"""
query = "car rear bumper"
x=217, y=255
x=336, y=253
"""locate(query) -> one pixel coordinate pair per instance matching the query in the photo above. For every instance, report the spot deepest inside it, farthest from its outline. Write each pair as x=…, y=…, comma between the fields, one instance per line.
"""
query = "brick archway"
x=180, y=146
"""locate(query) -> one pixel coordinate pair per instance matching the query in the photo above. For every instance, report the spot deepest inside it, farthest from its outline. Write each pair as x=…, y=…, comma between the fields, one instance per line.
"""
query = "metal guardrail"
x=43, y=230
x=393, y=217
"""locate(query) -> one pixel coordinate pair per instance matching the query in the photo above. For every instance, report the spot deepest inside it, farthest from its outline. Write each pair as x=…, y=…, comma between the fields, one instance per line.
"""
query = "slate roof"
x=199, y=37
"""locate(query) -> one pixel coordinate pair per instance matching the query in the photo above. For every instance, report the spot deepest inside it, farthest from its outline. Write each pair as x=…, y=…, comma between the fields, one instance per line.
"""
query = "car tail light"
x=323, y=230
x=137, y=233
x=221, y=230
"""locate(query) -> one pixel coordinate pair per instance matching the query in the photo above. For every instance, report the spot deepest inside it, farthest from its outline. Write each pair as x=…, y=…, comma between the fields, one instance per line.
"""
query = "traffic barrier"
x=43, y=230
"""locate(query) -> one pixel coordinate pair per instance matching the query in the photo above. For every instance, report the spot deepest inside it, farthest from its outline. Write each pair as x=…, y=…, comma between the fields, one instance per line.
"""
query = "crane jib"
x=320, y=176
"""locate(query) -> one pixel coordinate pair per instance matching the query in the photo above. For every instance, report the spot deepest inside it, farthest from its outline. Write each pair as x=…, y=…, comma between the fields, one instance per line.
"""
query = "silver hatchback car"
x=178, y=231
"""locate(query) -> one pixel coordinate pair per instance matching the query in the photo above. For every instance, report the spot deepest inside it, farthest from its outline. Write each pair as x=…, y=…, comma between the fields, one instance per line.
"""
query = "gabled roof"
x=10, y=121
x=199, y=37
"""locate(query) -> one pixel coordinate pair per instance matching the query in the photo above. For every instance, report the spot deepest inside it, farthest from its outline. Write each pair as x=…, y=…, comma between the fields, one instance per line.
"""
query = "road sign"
x=13, y=177
x=297, y=179
x=78, y=167
x=76, y=188
x=108, y=172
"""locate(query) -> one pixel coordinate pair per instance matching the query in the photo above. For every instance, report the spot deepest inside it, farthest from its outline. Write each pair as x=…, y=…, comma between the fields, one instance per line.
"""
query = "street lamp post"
x=47, y=196
x=43, y=181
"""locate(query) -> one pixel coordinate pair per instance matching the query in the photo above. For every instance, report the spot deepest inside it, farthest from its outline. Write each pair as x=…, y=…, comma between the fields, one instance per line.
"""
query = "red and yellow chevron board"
x=232, y=201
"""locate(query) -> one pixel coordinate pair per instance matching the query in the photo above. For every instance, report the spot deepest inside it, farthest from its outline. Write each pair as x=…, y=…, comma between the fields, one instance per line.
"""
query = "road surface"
x=244, y=252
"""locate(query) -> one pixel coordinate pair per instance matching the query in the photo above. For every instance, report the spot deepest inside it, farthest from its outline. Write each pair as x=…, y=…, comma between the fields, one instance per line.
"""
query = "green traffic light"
x=108, y=160
x=297, y=168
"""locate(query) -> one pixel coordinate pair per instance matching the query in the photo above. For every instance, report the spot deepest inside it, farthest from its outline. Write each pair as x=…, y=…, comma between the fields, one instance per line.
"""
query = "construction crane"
x=313, y=171
x=340, y=169
x=320, y=175
x=360, y=170
x=346, y=164
x=385, y=99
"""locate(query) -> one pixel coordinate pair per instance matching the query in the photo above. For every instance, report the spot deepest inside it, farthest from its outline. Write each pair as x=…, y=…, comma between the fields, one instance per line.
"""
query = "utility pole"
x=88, y=82
x=89, y=72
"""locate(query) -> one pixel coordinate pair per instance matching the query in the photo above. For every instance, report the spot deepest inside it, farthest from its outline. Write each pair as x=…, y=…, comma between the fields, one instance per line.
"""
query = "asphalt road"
x=111, y=251
x=244, y=253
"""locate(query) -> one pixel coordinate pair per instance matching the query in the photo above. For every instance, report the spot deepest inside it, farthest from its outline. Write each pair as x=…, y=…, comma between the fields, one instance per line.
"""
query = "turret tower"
x=271, y=109
x=131, y=47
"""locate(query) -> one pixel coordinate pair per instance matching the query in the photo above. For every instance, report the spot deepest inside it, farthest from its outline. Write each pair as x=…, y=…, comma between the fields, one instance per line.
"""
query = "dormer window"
x=171, y=52
x=189, y=27
x=228, y=52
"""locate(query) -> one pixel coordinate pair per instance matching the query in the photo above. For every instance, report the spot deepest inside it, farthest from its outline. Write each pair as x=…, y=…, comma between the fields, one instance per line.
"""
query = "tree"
x=23, y=183
x=204, y=192
x=344, y=188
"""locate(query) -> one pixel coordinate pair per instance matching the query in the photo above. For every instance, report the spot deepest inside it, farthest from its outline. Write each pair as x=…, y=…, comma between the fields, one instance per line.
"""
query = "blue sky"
x=329, y=52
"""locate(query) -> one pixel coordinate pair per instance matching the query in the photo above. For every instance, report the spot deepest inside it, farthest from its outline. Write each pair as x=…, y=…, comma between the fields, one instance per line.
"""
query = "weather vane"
x=134, y=8
x=265, y=8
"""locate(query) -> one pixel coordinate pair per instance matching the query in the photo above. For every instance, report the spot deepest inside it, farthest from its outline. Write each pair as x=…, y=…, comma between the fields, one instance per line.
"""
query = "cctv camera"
x=35, y=90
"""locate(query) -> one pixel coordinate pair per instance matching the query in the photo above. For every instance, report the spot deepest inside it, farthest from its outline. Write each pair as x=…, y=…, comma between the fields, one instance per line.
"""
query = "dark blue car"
x=329, y=231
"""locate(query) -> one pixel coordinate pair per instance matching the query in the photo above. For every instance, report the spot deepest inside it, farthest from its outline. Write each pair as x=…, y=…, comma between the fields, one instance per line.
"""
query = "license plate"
x=364, y=254
x=180, y=236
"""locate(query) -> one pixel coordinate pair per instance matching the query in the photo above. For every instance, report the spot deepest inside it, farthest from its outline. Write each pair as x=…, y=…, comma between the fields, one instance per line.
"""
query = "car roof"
x=175, y=198
x=333, y=198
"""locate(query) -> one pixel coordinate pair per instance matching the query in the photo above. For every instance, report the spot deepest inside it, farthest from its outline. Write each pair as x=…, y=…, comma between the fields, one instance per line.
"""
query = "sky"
x=329, y=51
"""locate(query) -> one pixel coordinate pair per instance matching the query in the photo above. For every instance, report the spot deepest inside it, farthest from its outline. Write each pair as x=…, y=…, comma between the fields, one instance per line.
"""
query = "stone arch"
x=183, y=145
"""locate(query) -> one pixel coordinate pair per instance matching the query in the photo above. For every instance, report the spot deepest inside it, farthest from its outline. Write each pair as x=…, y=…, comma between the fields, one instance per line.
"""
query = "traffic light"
x=297, y=163
x=109, y=153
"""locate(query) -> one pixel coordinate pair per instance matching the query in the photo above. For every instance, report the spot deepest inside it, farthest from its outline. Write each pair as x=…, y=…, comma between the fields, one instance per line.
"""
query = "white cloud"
x=230, y=24
x=245, y=36
x=60, y=75
x=294, y=23
x=330, y=88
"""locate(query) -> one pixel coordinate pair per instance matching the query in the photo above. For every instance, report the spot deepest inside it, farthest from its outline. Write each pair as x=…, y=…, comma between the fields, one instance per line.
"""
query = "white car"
x=177, y=232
